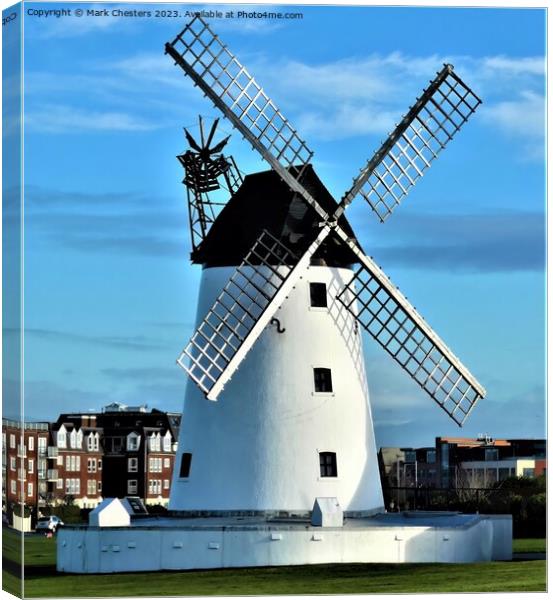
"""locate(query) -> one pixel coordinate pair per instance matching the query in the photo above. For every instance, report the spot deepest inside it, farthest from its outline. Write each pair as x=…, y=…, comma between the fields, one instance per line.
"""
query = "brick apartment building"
x=466, y=462
x=83, y=458
x=123, y=451
x=24, y=463
x=76, y=470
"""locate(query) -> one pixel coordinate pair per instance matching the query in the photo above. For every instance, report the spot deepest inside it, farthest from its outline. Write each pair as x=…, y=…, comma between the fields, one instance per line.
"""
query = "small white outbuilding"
x=327, y=513
x=111, y=512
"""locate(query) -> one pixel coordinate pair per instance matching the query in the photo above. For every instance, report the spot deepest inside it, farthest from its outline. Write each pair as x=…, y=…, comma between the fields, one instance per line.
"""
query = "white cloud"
x=532, y=65
x=355, y=97
x=521, y=119
x=66, y=119
x=332, y=100
x=523, y=116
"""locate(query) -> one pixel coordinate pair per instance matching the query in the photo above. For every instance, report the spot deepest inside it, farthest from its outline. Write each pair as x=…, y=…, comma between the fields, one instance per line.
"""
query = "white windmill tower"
x=284, y=286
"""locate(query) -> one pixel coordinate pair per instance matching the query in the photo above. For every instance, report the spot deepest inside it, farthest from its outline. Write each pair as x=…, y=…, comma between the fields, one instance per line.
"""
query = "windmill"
x=294, y=422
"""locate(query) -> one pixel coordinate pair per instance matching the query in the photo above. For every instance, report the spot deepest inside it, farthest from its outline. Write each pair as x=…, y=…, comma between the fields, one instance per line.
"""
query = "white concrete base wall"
x=109, y=550
x=502, y=541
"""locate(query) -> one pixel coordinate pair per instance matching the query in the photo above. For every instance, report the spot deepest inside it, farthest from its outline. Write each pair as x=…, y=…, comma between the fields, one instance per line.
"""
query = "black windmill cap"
x=265, y=201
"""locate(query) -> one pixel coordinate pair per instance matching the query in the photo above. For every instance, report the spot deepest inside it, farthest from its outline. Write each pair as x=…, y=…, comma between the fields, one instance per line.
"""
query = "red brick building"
x=83, y=458
x=122, y=451
x=76, y=472
x=24, y=463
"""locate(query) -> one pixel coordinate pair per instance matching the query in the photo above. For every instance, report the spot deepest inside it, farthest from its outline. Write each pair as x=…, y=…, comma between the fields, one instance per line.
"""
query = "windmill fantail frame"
x=433, y=120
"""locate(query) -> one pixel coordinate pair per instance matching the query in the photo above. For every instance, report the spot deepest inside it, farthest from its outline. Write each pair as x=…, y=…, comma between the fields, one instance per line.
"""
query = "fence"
x=526, y=504
x=22, y=523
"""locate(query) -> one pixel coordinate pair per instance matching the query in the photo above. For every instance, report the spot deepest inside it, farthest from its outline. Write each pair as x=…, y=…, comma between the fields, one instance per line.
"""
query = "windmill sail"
x=270, y=270
x=242, y=310
x=227, y=83
x=440, y=112
x=396, y=325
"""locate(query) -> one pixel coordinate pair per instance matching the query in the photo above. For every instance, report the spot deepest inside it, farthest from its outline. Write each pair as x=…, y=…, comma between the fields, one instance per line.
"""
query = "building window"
x=410, y=456
x=92, y=441
x=73, y=486
x=91, y=465
x=59, y=461
x=132, y=465
x=31, y=465
x=185, y=462
x=12, y=440
x=317, y=294
x=133, y=442
x=431, y=456
x=99, y=464
x=31, y=443
x=323, y=380
x=72, y=462
x=166, y=463
x=13, y=486
x=154, y=487
x=91, y=487
x=155, y=442
x=12, y=463
x=155, y=465
x=165, y=484
x=491, y=454
x=99, y=486
x=528, y=472
x=29, y=489
x=167, y=442
x=132, y=486
x=61, y=439
x=42, y=444
x=116, y=444
x=59, y=484
x=327, y=463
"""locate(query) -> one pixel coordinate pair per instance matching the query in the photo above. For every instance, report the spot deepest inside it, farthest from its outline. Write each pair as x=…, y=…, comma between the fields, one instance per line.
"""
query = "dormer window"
x=73, y=439
x=133, y=442
x=167, y=442
x=155, y=442
x=61, y=438
x=93, y=442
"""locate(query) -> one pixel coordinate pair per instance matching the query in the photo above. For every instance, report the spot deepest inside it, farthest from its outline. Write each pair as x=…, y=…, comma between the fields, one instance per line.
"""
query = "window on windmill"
x=323, y=379
x=327, y=463
x=185, y=462
x=317, y=292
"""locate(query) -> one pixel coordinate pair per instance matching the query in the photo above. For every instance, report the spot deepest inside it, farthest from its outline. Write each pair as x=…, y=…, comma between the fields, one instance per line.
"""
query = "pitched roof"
x=264, y=201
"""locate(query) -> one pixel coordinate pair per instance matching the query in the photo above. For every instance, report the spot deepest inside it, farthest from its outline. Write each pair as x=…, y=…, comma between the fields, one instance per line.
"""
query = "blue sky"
x=110, y=293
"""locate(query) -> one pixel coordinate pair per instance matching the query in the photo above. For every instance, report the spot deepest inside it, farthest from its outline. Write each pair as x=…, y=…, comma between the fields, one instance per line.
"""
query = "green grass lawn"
x=529, y=545
x=42, y=579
